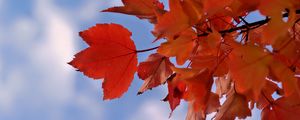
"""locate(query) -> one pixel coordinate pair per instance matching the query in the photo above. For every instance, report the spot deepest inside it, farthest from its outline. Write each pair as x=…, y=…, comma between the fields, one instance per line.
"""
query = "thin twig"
x=146, y=50
x=251, y=25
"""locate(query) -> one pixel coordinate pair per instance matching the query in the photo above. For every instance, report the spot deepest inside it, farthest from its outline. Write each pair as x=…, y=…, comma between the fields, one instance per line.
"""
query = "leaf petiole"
x=146, y=50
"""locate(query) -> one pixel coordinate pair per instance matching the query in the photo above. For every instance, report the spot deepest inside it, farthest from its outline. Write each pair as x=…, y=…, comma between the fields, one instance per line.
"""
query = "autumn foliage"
x=251, y=63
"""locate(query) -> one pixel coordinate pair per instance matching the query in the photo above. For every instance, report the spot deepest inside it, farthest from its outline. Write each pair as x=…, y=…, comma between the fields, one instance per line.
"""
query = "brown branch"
x=257, y=23
x=251, y=25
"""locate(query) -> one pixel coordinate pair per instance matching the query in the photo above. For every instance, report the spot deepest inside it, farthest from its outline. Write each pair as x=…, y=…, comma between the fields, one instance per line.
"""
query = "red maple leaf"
x=111, y=55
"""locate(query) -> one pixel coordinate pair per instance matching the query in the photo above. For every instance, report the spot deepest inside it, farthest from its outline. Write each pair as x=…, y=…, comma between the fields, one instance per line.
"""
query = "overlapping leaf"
x=283, y=108
x=223, y=85
x=236, y=105
x=198, y=90
x=172, y=22
x=277, y=26
x=212, y=7
x=176, y=92
x=249, y=69
x=154, y=71
x=280, y=72
x=266, y=94
x=181, y=47
x=192, y=114
x=194, y=10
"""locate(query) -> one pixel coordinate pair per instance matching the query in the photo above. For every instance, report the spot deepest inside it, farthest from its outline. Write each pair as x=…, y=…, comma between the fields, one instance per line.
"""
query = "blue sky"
x=39, y=37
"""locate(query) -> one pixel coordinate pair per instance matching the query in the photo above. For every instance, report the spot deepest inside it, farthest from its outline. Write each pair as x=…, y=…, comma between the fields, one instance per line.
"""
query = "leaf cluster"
x=252, y=64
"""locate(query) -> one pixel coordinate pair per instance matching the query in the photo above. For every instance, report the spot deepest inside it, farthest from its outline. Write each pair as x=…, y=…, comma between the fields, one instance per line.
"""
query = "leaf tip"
x=118, y=9
x=139, y=93
x=106, y=10
x=105, y=99
x=157, y=38
x=70, y=63
x=81, y=33
x=165, y=99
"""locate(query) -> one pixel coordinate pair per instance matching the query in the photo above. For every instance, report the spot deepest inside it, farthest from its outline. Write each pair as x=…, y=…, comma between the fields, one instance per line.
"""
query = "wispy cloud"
x=115, y=3
x=89, y=10
x=157, y=110
x=37, y=82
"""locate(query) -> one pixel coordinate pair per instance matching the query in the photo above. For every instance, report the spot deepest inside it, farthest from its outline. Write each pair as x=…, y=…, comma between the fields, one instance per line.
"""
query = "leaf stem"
x=270, y=101
x=146, y=50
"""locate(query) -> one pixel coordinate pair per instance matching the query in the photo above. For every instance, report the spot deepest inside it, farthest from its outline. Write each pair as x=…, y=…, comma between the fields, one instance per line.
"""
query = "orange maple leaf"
x=181, y=47
x=236, y=105
x=144, y=9
x=249, y=67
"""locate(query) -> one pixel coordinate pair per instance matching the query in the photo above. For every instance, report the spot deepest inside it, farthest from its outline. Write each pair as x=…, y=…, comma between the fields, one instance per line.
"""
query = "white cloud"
x=47, y=58
x=51, y=55
x=158, y=110
x=150, y=111
x=89, y=10
x=24, y=29
x=9, y=88
x=44, y=81
x=22, y=32
x=115, y=3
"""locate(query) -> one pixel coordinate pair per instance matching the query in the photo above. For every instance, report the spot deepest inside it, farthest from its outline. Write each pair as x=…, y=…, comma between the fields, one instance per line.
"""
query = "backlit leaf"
x=176, y=91
x=236, y=105
x=145, y=9
x=111, y=55
x=249, y=68
x=154, y=71
x=181, y=47
x=172, y=22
